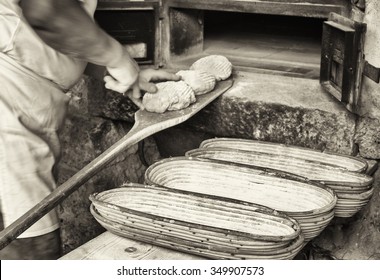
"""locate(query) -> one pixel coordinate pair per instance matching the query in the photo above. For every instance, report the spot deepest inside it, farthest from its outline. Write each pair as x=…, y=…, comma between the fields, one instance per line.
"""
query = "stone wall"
x=368, y=133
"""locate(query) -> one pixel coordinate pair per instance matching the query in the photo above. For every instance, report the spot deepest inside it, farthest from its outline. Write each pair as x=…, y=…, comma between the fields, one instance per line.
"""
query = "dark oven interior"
x=134, y=27
x=289, y=45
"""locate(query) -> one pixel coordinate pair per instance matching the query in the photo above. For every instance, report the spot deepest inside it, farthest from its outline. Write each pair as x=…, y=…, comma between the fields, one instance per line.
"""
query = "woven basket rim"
x=279, y=215
x=220, y=240
x=367, y=180
x=265, y=172
x=204, y=143
x=357, y=196
x=295, y=245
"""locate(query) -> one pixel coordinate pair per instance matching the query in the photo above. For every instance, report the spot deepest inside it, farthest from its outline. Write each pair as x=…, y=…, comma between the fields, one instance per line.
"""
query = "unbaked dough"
x=201, y=82
x=217, y=65
x=170, y=96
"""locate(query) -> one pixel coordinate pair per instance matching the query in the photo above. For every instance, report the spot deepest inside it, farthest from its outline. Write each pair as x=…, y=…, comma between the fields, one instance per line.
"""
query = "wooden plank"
x=108, y=246
x=341, y=20
x=319, y=9
x=321, y=2
x=126, y=5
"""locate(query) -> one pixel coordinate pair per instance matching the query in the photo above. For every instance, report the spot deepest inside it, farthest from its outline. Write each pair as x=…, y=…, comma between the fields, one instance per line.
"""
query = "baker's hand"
x=122, y=76
x=145, y=83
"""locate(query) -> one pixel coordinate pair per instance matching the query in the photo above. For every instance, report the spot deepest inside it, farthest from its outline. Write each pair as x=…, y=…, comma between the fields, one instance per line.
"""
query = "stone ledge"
x=367, y=137
x=279, y=109
x=259, y=106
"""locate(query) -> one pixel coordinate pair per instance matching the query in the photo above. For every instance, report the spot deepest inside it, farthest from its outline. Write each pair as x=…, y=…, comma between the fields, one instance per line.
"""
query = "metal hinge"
x=371, y=72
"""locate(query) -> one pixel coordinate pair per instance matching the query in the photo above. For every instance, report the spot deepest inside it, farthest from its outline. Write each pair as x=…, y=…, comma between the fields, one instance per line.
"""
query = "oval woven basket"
x=224, y=226
x=306, y=201
x=349, y=204
x=196, y=247
x=329, y=158
x=341, y=181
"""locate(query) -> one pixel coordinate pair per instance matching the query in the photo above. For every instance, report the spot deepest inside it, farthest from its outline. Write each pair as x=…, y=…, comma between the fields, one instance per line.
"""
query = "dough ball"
x=201, y=82
x=170, y=96
x=217, y=65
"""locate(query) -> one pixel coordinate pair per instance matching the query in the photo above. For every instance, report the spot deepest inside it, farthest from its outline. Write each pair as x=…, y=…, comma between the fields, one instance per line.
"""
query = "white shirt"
x=21, y=43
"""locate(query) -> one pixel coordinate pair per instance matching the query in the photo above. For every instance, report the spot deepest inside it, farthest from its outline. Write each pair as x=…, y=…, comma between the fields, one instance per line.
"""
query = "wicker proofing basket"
x=200, y=224
x=338, y=160
x=312, y=204
x=349, y=186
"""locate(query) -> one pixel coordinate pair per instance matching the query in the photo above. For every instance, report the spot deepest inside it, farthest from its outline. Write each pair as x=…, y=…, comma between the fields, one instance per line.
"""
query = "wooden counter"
x=108, y=246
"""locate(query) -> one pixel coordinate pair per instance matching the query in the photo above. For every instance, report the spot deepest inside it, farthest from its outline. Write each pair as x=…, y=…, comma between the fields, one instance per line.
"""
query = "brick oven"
x=308, y=39
x=304, y=74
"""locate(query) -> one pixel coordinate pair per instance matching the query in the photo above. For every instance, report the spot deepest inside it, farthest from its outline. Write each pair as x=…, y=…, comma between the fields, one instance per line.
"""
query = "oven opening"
x=134, y=29
x=286, y=45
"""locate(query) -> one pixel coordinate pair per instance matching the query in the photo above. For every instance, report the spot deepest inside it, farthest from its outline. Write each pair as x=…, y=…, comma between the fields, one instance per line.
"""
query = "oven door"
x=343, y=62
x=342, y=59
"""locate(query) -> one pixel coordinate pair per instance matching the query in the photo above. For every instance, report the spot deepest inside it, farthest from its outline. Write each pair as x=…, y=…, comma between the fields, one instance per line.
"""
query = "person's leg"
x=43, y=247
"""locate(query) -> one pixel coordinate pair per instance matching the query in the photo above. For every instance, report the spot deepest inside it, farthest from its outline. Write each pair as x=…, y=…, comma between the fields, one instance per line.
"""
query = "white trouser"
x=32, y=110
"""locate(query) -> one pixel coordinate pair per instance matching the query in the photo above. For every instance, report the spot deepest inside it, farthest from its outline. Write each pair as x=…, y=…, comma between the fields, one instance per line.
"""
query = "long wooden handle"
x=63, y=191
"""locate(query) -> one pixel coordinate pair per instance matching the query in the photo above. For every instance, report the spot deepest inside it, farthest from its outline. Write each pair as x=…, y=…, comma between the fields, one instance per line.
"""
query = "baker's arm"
x=67, y=27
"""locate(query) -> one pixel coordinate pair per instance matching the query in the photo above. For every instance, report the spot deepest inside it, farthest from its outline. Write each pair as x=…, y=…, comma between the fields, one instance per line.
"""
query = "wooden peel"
x=146, y=124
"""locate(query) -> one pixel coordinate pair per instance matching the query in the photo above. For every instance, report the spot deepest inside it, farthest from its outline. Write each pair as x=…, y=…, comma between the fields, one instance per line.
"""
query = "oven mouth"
x=288, y=45
x=135, y=29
